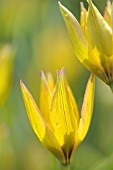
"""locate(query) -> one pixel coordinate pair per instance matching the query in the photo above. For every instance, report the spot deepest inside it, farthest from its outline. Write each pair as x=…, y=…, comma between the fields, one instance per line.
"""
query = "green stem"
x=65, y=167
x=111, y=86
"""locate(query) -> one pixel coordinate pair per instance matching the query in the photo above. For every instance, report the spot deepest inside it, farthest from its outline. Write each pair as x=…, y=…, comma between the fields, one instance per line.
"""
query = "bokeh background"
x=37, y=33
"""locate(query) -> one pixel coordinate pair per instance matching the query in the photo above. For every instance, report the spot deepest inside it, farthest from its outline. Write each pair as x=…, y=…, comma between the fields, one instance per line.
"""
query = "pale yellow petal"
x=78, y=40
x=107, y=13
x=39, y=126
x=112, y=18
x=33, y=113
x=50, y=81
x=87, y=108
x=73, y=103
x=62, y=114
x=75, y=121
x=99, y=33
x=45, y=97
x=83, y=17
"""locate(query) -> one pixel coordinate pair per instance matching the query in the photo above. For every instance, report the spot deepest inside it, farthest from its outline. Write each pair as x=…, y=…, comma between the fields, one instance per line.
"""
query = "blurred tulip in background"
x=6, y=71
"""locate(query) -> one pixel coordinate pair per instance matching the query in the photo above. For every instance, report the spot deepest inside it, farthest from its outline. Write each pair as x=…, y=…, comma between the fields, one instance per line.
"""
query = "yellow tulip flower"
x=6, y=67
x=92, y=39
x=56, y=121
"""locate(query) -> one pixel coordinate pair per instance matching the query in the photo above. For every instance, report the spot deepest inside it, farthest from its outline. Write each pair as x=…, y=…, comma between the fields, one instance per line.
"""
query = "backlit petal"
x=45, y=97
x=78, y=40
x=99, y=33
x=87, y=108
x=83, y=17
x=107, y=13
x=39, y=126
x=62, y=115
x=73, y=102
x=50, y=81
x=112, y=18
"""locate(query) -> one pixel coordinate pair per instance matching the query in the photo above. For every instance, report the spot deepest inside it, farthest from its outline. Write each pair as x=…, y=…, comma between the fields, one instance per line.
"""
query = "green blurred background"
x=38, y=33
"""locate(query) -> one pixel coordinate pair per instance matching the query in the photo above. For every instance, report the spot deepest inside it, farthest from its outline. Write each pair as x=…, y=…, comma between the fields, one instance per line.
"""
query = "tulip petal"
x=107, y=13
x=45, y=97
x=78, y=40
x=99, y=33
x=87, y=107
x=39, y=126
x=62, y=115
x=75, y=108
x=73, y=102
x=83, y=17
x=50, y=81
x=112, y=18
x=96, y=65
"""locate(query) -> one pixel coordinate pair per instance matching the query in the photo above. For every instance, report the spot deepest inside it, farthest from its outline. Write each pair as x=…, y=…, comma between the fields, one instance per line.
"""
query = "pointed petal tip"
x=108, y=2
x=22, y=85
x=24, y=89
x=61, y=72
x=92, y=76
x=89, y=2
x=62, y=8
x=21, y=81
x=42, y=75
x=82, y=5
x=58, y=72
x=49, y=74
x=91, y=80
x=59, y=2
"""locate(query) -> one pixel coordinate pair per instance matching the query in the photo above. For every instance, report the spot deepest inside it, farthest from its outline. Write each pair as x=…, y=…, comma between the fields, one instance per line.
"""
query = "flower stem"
x=65, y=167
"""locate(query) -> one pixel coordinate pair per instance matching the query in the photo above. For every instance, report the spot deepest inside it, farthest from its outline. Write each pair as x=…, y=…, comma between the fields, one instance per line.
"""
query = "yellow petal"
x=85, y=53
x=76, y=122
x=96, y=64
x=33, y=113
x=107, y=13
x=50, y=81
x=78, y=40
x=39, y=126
x=73, y=103
x=45, y=97
x=112, y=18
x=87, y=107
x=83, y=17
x=62, y=115
x=99, y=33
x=6, y=68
